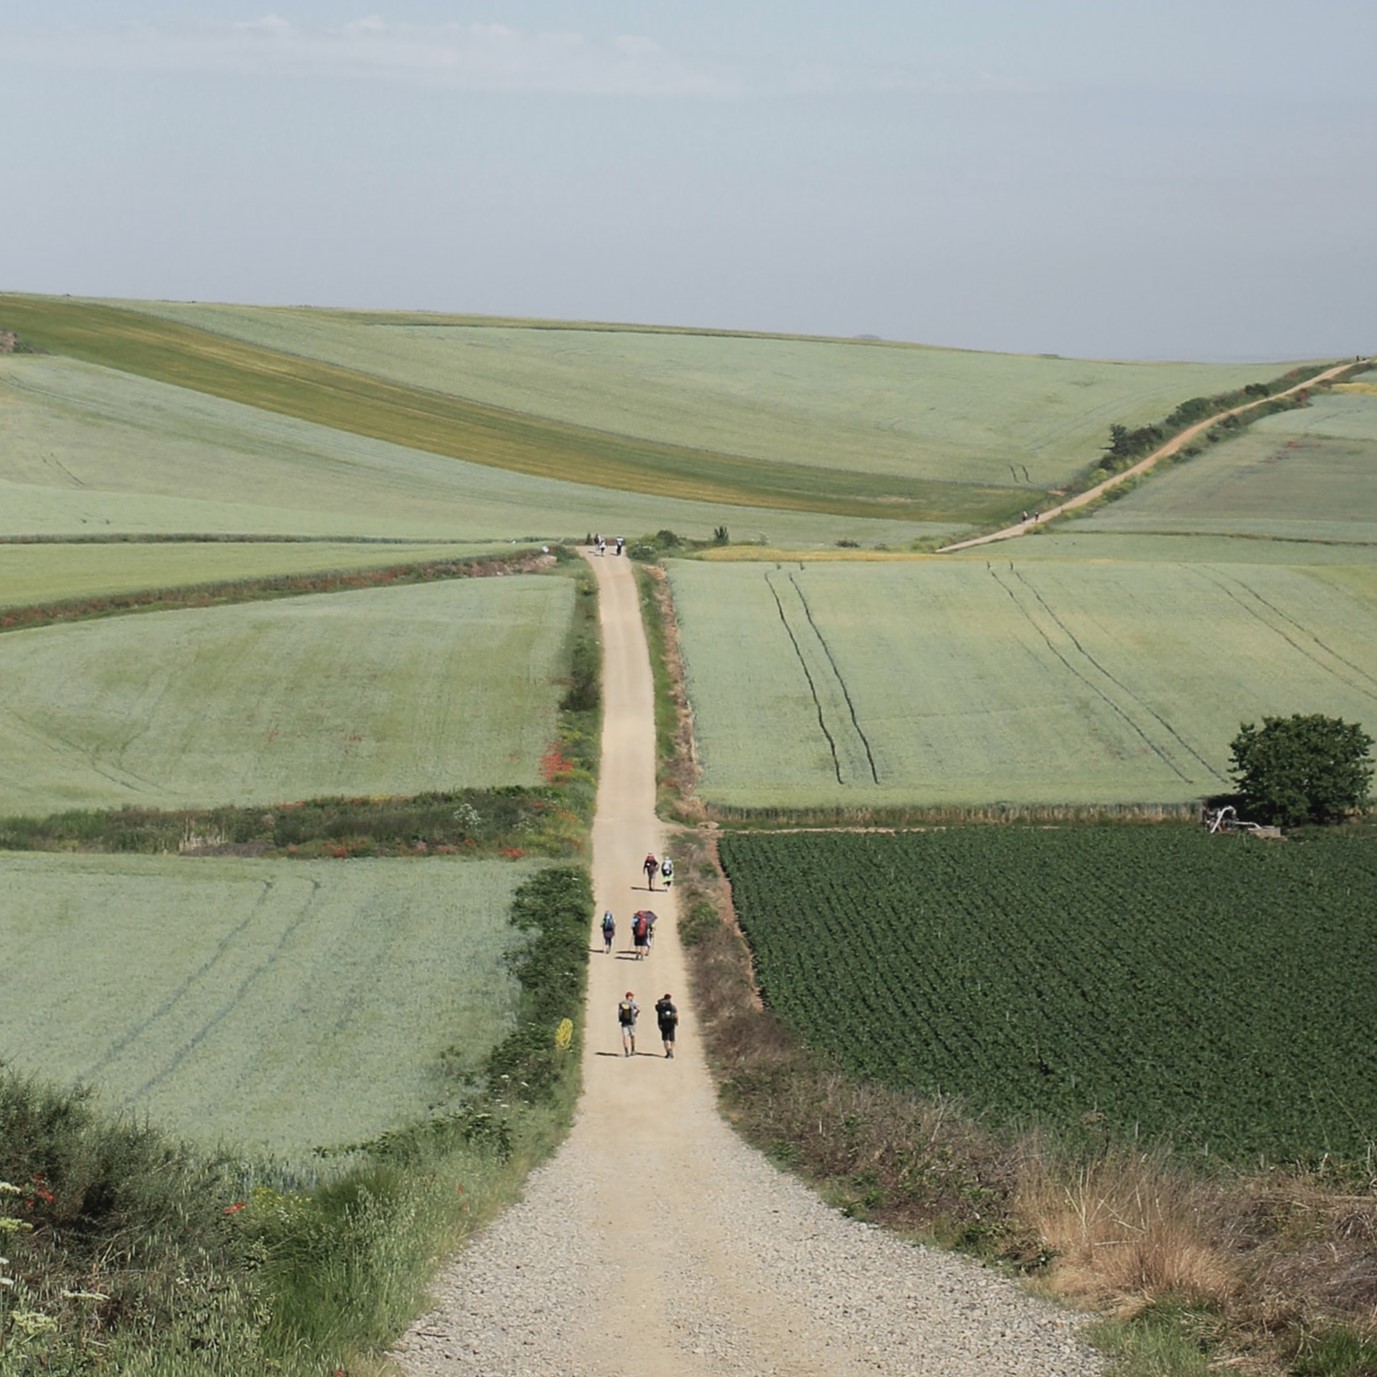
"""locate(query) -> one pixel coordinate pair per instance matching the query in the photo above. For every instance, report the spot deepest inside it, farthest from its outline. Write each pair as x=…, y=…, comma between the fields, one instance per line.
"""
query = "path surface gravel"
x=655, y=1243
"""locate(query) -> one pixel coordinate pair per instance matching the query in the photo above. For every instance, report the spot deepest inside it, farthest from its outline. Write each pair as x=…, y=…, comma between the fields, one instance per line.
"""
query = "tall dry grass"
x=1126, y=1230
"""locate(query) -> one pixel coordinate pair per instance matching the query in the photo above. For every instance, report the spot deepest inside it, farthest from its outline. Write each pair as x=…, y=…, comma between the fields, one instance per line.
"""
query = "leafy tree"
x=1303, y=768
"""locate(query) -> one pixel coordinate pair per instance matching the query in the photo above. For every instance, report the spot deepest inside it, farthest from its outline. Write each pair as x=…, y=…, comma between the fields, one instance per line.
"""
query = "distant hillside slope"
x=872, y=407
x=91, y=452
x=861, y=430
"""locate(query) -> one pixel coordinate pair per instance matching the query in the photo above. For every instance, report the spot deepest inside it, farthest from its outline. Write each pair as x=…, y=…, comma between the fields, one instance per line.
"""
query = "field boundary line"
x=1164, y=451
x=266, y=588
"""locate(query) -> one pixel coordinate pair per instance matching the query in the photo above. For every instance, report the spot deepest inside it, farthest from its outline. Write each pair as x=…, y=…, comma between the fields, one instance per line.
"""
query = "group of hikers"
x=643, y=938
x=666, y=1016
x=599, y=543
x=642, y=932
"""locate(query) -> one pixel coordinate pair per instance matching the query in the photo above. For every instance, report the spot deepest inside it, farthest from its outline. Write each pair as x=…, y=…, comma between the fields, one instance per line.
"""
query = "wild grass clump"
x=115, y=1235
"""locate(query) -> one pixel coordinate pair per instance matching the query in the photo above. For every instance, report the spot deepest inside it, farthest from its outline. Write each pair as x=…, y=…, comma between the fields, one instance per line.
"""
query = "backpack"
x=639, y=927
x=609, y=924
x=667, y=868
x=626, y=1012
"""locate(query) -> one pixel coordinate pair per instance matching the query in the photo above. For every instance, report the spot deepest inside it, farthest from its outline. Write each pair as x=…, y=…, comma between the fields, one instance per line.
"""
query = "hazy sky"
x=1121, y=178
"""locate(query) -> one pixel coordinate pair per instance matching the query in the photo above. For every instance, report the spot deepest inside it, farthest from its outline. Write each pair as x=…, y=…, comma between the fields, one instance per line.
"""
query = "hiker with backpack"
x=640, y=934
x=651, y=867
x=627, y=1009
x=609, y=931
x=667, y=1016
x=667, y=871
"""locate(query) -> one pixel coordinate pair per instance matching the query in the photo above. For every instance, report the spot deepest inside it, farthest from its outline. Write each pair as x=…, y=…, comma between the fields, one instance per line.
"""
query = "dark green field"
x=1157, y=981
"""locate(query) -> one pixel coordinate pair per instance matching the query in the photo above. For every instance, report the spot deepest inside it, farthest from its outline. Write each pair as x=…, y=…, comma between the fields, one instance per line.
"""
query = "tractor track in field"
x=1222, y=581
x=855, y=732
x=841, y=681
x=1117, y=682
x=228, y=1006
x=1089, y=683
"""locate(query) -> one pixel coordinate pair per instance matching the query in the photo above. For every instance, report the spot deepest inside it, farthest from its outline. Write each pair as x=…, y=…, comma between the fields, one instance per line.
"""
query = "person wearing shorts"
x=668, y=1018
x=627, y=1010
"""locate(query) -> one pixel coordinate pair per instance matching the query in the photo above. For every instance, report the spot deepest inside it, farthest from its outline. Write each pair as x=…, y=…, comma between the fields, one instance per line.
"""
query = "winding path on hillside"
x=655, y=1243
x=1172, y=446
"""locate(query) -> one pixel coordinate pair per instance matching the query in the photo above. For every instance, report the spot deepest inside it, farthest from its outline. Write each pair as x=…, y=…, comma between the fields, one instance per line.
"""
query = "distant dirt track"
x=1142, y=466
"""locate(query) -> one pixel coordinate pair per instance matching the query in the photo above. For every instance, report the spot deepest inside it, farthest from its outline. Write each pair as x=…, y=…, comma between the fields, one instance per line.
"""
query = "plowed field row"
x=1162, y=981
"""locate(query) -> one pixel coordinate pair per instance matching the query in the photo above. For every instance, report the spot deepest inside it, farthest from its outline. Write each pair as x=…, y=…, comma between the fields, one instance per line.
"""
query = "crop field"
x=1298, y=475
x=50, y=572
x=1160, y=981
x=1075, y=541
x=87, y=451
x=454, y=427
x=386, y=691
x=273, y=1006
x=971, y=437
x=869, y=407
x=1003, y=681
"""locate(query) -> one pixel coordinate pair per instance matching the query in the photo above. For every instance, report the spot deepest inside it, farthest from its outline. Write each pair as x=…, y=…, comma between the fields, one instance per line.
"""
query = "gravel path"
x=655, y=1243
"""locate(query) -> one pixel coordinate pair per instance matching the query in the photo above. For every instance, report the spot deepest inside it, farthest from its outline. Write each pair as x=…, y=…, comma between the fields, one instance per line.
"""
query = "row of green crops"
x=1156, y=981
x=454, y=427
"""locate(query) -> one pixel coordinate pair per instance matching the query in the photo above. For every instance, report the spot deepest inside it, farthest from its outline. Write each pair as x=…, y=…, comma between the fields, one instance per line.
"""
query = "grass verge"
x=127, y=1252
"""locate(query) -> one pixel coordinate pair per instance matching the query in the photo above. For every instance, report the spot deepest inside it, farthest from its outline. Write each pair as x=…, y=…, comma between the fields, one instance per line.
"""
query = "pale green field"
x=277, y=1006
x=49, y=572
x=1299, y=475
x=386, y=691
x=85, y=450
x=943, y=414
x=974, y=682
x=1068, y=541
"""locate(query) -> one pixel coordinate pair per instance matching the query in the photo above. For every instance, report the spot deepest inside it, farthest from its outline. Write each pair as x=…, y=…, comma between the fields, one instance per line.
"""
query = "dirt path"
x=1165, y=451
x=655, y=1243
